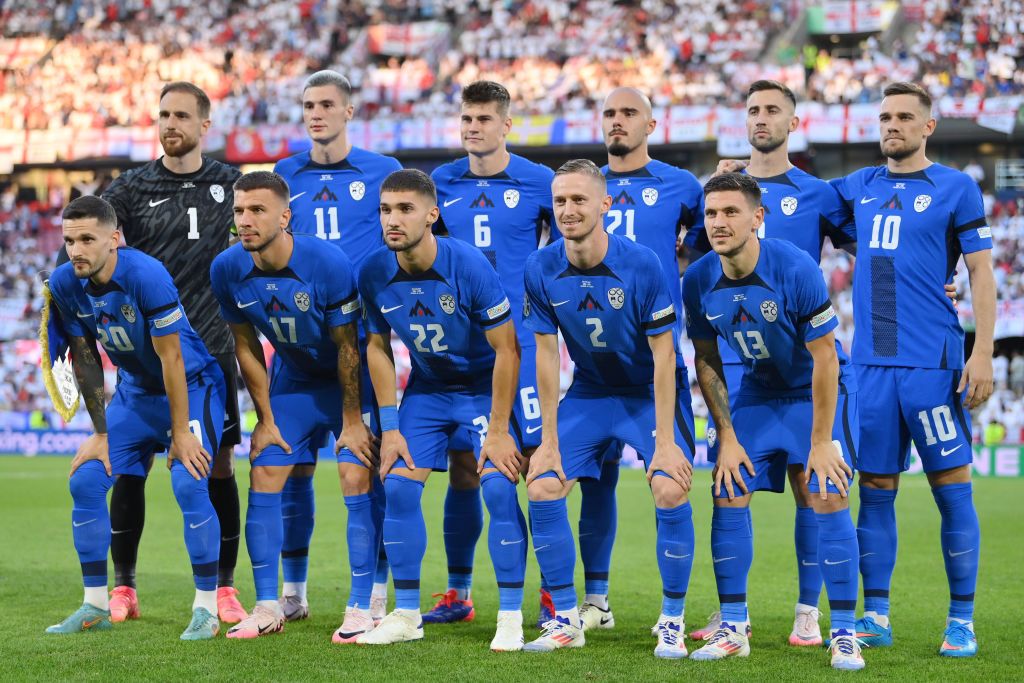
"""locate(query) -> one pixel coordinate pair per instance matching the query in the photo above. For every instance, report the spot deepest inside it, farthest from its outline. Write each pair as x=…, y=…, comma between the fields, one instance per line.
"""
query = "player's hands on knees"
x=546, y=458
x=976, y=380
x=187, y=449
x=826, y=462
x=392, y=448
x=361, y=442
x=731, y=456
x=95, y=447
x=669, y=458
x=266, y=434
x=730, y=166
x=500, y=448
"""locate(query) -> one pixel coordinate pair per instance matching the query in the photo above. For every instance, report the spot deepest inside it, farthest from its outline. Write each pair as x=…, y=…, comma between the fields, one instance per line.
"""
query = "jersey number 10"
x=890, y=232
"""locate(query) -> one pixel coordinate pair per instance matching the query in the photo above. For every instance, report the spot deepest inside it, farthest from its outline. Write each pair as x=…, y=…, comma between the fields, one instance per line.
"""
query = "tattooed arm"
x=354, y=434
x=89, y=373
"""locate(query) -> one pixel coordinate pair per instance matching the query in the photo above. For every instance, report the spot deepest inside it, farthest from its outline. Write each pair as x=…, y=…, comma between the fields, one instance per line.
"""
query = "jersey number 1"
x=332, y=216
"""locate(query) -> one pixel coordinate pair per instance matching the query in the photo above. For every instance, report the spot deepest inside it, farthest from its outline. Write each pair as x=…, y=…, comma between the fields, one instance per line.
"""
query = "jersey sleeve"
x=159, y=304
x=691, y=213
x=834, y=217
x=815, y=315
x=66, y=303
x=969, y=223
x=657, y=314
x=220, y=284
x=375, y=322
x=538, y=315
x=340, y=290
x=697, y=327
x=118, y=195
x=696, y=237
x=547, y=211
x=488, y=304
x=847, y=187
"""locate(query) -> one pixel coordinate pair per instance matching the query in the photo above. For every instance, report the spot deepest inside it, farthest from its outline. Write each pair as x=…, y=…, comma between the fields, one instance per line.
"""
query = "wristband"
x=388, y=418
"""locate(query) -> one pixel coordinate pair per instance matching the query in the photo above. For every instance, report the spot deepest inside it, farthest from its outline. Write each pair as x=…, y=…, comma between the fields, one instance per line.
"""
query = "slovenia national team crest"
x=302, y=301
x=447, y=302
x=649, y=195
x=788, y=205
x=922, y=202
x=128, y=312
x=770, y=310
x=511, y=198
x=217, y=192
x=616, y=297
x=357, y=189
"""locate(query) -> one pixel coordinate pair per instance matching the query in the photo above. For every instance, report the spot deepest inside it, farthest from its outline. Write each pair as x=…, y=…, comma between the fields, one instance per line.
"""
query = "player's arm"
x=499, y=447
x=185, y=446
x=253, y=366
x=731, y=455
x=381, y=364
x=668, y=456
x=354, y=434
x=825, y=459
x=977, y=375
x=547, y=457
x=88, y=369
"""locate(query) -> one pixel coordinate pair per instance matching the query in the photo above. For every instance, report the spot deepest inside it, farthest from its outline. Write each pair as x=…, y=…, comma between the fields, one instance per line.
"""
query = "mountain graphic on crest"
x=742, y=316
x=623, y=198
x=589, y=304
x=894, y=203
x=274, y=306
x=325, y=195
x=482, y=202
x=420, y=311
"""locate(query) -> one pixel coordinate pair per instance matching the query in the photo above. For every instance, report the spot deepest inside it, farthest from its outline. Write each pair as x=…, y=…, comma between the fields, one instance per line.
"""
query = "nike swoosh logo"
x=230, y=538
x=713, y=317
x=78, y=524
x=360, y=573
x=809, y=564
x=83, y=315
x=393, y=308
x=832, y=564
x=675, y=557
x=559, y=303
x=258, y=566
x=449, y=202
x=531, y=430
x=241, y=305
x=290, y=516
x=541, y=547
x=114, y=532
x=152, y=203
x=294, y=197
x=867, y=200
x=716, y=560
x=962, y=552
x=393, y=542
x=504, y=542
x=264, y=629
x=866, y=554
x=951, y=450
x=196, y=526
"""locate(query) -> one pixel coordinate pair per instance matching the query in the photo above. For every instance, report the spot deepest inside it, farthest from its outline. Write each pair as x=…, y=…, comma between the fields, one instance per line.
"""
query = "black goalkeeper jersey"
x=184, y=220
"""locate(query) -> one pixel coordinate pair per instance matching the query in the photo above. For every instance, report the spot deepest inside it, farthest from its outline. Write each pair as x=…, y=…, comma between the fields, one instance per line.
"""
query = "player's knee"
x=462, y=472
x=355, y=479
x=801, y=492
x=666, y=491
x=403, y=496
x=499, y=496
x=188, y=490
x=956, y=475
x=546, y=487
x=89, y=484
x=834, y=503
x=885, y=482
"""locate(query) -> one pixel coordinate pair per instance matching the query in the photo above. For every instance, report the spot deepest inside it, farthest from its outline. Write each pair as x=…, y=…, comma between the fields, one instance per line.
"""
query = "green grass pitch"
x=40, y=585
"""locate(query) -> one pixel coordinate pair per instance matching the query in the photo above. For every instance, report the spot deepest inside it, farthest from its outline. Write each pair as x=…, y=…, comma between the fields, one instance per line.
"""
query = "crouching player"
x=796, y=403
x=301, y=294
x=446, y=303
x=607, y=296
x=170, y=392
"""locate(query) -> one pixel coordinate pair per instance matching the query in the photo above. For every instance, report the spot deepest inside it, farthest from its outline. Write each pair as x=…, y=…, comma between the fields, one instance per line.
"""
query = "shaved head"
x=626, y=120
x=626, y=94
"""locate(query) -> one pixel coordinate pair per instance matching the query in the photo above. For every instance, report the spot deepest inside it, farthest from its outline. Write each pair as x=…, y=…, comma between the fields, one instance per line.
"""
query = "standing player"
x=170, y=394
x=796, y=404
x=804, y=210
x=446, y=303
x=178, y=210
x=302, y=297
x=653, y=204
x=913, y=220
x=500, y=203
x=609, y=300
x=334, y=189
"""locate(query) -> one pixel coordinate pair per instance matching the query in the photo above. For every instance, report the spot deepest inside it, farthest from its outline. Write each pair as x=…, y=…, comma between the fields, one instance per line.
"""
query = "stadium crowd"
x=90, y=63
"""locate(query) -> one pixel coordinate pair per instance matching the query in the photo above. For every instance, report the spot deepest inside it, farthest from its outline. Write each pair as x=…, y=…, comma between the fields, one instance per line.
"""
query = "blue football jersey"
x=339, y=202
x=441, y=315
x=502, y=215
x=294, y=307
x=911, y=229
x=651, y=206
x=767, y=318
x=139, y=302
x=605, y=313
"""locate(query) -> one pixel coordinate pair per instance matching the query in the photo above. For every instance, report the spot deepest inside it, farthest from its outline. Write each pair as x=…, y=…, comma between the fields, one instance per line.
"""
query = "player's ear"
x=433, y=215
x=651, y=125
x=508, y=124
x=606, y=203
x=205, y=126
x=794, y=123
x=286, y=217
x=350, y=111
x=758, y=217
x=929, y=127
